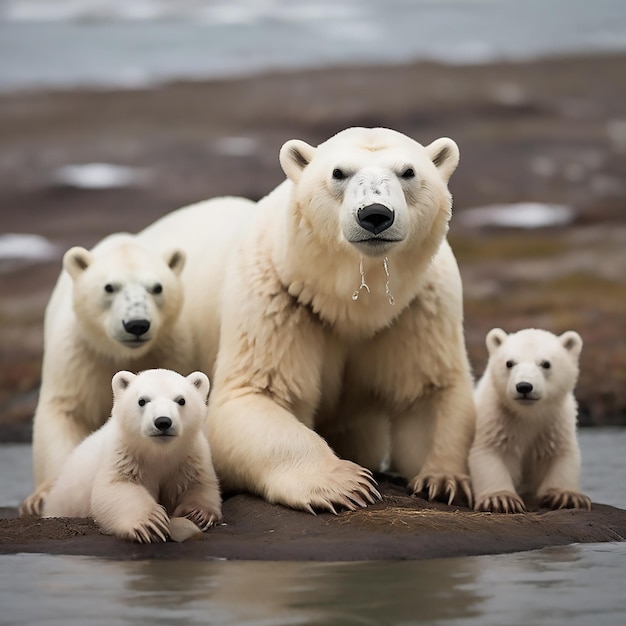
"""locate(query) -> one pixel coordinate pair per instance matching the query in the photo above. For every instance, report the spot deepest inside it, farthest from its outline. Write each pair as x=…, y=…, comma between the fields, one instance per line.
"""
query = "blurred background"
x=114, y=113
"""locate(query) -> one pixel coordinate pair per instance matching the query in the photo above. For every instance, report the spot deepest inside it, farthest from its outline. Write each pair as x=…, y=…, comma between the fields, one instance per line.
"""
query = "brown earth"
x=399, y=527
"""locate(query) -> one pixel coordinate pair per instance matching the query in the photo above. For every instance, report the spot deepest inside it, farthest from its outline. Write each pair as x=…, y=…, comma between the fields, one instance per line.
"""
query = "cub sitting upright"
x=150, y=461
x=525, y=443
x=116, y=307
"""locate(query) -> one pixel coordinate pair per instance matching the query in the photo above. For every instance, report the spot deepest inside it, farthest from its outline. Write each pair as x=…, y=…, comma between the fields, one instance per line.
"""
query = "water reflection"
x=577, y=585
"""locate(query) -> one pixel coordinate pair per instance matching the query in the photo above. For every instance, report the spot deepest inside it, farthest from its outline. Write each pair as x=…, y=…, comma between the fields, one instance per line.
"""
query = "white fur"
x=525, y=443
x=299, y=358
x=129, y=475
x=85, y=342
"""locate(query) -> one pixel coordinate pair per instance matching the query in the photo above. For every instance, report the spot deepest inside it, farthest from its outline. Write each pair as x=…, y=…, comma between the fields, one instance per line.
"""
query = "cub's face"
x=532, y=366
x=372, y=189
x=160, y=404
x=124, y=297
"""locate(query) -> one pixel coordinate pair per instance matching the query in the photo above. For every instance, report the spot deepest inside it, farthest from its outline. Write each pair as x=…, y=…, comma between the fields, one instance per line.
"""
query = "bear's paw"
x=201, y=517
x=501, y=502
x=154, y=529
x=561, y=499
x=341, y=484
x=442, y=486
x=32, y=506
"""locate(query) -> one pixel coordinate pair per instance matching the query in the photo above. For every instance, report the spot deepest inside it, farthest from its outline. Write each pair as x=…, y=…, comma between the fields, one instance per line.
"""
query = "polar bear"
x=340, y=324
x=525, y=442
x=149, y=461
x=114, y=307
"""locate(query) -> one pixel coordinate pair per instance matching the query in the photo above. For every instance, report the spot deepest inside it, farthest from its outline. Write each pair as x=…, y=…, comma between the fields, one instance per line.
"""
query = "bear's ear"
x=294, y=156
x=76, y=260
x=444, y=153
x=201, y=382
x=175, y=260
x=121, y=381
x=572, y=342
x=495, y=338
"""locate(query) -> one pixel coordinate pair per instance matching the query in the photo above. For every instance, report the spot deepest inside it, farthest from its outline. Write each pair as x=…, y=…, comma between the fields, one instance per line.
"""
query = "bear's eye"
x=109, y=288
x=158, y=288
x=142, y=402
x=338, y=174
x=546, y=365
x=509, y=364
x=181, y=401
x=409, y=172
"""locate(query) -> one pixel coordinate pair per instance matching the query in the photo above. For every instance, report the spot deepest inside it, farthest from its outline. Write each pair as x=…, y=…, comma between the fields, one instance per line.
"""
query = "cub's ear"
x=175, y=260
x=294, y=156
x=495, y=338
x=444, y=153
x=76, y=260
x=572, y=342
x=121, y=381
x=201, y=382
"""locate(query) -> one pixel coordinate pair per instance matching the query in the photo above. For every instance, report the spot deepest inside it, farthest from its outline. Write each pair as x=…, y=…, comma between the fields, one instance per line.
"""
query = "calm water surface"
x=581, y=585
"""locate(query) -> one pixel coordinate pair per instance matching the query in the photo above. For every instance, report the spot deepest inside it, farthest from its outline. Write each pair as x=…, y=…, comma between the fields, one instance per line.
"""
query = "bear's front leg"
x=431, y=442
x=493, y=484
x=259, y=446
x=200, y=501
x=559, y=489
x=126, y=510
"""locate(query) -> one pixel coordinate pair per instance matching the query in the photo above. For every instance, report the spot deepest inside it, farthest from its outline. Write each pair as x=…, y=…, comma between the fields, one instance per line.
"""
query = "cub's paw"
x=154, y=529
x=442, y=486
x=558, y=499
x=33, y=505
x=340, y=483
x=501, y=502
x=202, y=518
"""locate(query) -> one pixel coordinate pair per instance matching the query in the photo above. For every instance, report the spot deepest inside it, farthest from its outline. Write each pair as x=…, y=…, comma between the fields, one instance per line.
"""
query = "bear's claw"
x=350, y=486
x=501, y=502
x=155, y=528
x=442, y=486
x=202, y=519
x=556, y=499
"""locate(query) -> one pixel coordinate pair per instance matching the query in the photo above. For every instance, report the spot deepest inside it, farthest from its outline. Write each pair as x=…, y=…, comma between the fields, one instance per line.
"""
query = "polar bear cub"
x=149, y=461
x=525, y=442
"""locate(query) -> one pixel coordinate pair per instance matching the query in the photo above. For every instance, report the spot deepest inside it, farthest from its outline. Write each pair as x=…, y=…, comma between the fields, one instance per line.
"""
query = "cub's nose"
x=136, y=327
x=523, y=388
x=375, y=218
x=163, y=423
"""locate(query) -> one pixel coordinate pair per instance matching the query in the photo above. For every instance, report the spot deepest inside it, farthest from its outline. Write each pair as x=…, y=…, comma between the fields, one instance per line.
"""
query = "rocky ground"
x=399, y=527
x=550, y=131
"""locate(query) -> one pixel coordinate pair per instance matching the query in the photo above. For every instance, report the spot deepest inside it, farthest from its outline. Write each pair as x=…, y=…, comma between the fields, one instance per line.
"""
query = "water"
x=576, y=585
x=65, y=43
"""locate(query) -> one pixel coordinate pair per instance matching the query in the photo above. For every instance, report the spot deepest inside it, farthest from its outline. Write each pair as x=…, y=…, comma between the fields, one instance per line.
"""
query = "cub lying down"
x=148, y=462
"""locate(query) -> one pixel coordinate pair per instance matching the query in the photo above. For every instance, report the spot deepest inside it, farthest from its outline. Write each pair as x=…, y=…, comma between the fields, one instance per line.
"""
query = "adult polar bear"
x=305, y=360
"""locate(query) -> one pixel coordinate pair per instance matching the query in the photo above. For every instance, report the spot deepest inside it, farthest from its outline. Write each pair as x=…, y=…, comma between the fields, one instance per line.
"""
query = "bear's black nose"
x=524, y=388
x=137, y=327
x=163, y=423
x=375, y=217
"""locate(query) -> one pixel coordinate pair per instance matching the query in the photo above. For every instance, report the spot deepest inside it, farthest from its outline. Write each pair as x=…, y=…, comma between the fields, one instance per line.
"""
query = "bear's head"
x=533, y=367
x=124, y=296
x=160, y=404
x=374, y=191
